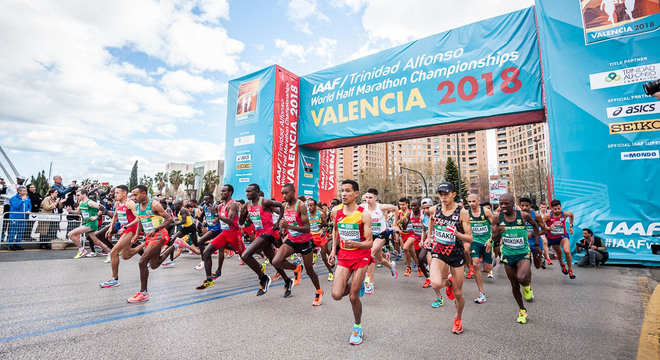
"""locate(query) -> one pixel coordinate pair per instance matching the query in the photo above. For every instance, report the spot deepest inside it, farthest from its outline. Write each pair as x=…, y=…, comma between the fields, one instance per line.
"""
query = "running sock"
x=359, y=326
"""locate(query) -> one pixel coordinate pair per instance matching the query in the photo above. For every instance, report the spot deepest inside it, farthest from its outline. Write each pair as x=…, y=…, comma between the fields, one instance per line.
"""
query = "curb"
x=649, y=337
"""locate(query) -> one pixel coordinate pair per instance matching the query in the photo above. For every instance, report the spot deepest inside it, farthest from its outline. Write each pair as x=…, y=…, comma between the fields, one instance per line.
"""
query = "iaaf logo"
x=636, y=228
x=634, y=109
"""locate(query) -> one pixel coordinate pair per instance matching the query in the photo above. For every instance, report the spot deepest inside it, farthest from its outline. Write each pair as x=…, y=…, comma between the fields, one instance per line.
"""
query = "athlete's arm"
x=387, y=208
x=539, y=220
x=497, y=231
x=157, y=208
x=93, y=204
x=244, y=214
x=132, y=207
x=527, y=217
x=572, y=218
x=304, y=219
x=230, y=215
x=184, y=214
x=368, y=234
x=335, y=238
x=428, y=240
x=465, y=221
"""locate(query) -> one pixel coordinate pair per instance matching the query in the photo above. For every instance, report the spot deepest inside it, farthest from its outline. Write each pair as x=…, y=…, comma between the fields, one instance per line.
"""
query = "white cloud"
x=302, y=12
x=353, y=5
x=291, y=51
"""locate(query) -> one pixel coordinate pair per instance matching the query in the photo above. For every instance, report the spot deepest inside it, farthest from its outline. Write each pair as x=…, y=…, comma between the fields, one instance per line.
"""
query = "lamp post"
x=420, y=174
x=458, y=156
x=538, y=165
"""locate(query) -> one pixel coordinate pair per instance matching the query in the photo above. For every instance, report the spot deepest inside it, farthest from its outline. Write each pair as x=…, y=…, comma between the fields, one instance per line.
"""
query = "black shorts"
x=188, y=230
x=301, y=248
x=270, y=238
x=454, y=259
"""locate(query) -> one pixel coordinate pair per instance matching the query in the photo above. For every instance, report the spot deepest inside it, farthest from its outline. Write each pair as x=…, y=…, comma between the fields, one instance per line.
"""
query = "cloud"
x=301, y=11
x=291, y=51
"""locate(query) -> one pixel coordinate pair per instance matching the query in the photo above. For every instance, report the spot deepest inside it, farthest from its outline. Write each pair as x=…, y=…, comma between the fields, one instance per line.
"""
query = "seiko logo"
x=634, y=109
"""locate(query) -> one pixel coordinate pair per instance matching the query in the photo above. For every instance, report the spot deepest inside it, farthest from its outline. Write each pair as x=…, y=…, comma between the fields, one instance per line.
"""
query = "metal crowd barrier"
x=37, y=228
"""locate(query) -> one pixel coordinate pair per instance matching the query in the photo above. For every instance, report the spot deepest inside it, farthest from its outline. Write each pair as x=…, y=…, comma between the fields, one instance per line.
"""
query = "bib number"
x=376, y=227
x=513, y=242
x=417, y=228
x=147, y=225
x=85, y=215
x=480, y=230
x=122, y=218
x=444, y=234
x=348, y=232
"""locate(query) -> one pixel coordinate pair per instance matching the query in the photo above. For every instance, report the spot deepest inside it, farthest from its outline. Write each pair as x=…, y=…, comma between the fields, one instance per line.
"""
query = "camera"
x=652, y=87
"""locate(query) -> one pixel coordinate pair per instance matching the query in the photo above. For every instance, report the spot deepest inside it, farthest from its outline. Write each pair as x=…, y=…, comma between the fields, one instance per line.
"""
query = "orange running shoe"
x=318, y=298
x=242, y=262
x=276, y=276
x=408, y=271
x=297, y=274
x=229, y=253
x=427, y=283
x=470, y=273
x=139, y=297
x=419, y=272
x=458, y=326
x=450, y=289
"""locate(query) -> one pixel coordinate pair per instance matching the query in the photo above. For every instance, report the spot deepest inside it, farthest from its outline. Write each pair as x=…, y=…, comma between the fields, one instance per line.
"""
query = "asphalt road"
x=54, y=308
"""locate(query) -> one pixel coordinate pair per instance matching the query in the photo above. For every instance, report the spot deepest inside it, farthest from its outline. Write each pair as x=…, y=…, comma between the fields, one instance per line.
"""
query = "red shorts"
x=161, y=237
x=415, y=238
x=128, y=230
x=249, y=231
x=320, y=239
x=354, y=259
x=231, y=238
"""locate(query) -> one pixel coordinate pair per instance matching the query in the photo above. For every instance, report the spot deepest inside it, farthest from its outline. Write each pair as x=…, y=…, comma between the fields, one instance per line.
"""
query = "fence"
x=37, y=228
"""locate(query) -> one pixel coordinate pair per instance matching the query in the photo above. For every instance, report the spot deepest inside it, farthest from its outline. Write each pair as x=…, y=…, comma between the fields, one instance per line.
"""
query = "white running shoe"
x=481, y=299
x=168, y=263
x=199, y=266
x=490, y=274
x=107, y=259
x=91, y=254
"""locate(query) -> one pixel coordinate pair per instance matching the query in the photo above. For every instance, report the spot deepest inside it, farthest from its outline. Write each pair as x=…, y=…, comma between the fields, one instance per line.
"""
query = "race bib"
x=348, y=232
x=480, y=230
x=376, y=227
x=513, y=242
x=147, y=225
x=122, y=218
x=417, y=228
x=224, y=225
x=558, y=229
x=314, y=227
x=444, y=234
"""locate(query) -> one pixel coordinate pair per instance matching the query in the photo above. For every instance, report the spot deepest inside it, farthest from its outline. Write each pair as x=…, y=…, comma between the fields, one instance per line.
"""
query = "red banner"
x=327, y=175
x=285, y=131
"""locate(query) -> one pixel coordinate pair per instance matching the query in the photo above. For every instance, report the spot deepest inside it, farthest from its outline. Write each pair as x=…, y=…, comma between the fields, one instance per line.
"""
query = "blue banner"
x=308, y=172
x=604, y=131
x=249, y=141
x=480, y=71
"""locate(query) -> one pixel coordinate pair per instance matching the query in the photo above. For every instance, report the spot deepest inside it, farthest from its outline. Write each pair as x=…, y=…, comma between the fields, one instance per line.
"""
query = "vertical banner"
x=497, y=189
x=308, y=173
x=285, y=131
x=604, y=130
x=327, y=175
x=248, y=145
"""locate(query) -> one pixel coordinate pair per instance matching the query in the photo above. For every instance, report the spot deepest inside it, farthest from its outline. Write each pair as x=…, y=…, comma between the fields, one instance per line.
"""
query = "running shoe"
x=216, y=274
x=263, y=268
x=379, y=265
x=414, y=266
x=408, y=271
x=229, y=253
x=264, y=283
x=470, y=273
x=368, y=288
x=387, y=256
x=570, y=274
x=362, y=290
x=490, y=274
x=528, y=293
x=549, y=261
x=331, y=277
x=458, y=326
x=80, y=254
x=110, y=283
x=356, y=335
x=288, y=285
x=276, y=276
x=437, y=303
x=427, y=283
x=395, y=274
x=450, y=289
x=419, y=272
x=563, y=268
x=544, y=265
x=108, y=259
x=481, y=299
x=91, y=254
x=314, y=257
x=139, y=297
x=199, y=266
x=267, y=261
x=318, y=298
x=168, y=263
x=297, y=275
x=522, y=316
x=206, y=284
x=242, y=262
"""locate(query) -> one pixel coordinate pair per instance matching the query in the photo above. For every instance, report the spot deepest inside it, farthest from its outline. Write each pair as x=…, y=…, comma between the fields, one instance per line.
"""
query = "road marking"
x=649, y=337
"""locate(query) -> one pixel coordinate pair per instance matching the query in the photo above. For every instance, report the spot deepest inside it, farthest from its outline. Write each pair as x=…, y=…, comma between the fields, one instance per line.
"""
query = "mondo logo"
x=634, y=109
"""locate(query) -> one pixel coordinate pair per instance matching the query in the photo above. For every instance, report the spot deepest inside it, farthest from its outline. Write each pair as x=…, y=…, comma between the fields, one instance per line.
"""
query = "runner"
x=184, y=214
x=558, y=238
x=230, y=236
x=296, y=223
x=526, y=206
x=543, y=210
x=88, y=210
x=259, y=211
x=480, y=248
x=425, y=251
x=317, y=223
x=450, y=226
x=213, y=229
x=509, y=228
x=351, y=251
x=154, y=221
x=405, y=234
x=413, y=222
x=378, y=214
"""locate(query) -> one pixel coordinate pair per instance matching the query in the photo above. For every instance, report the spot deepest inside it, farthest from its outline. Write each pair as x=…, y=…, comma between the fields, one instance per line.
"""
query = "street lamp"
x=458, y=157
x=538, y=165
x=420, y=174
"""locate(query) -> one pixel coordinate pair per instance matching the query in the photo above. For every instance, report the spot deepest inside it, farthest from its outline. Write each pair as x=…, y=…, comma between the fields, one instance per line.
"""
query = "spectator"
x=11, y=191
x=596, y=251
x=61, y=190
x=3, y=191
x=48, y=229
x=20, y=207
x=35, y=198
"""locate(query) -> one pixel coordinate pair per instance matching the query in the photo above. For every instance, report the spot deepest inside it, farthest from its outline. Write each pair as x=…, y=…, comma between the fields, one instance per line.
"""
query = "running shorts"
x=188, y=230
x=513, y=260
x=229, y=238
x=94, y=225
x=270, y=238
x=160, y=238
x=354, y=259
x=478, y=250
x=557, y=241
x=452, y=255
x=320, y=239
x=303, y=248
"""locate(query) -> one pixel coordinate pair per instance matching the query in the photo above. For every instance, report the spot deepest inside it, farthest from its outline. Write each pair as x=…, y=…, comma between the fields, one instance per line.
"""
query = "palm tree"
x=189, y=181
x=176, y=179
x=211, y=181
x=86, y=182
x=161, y=180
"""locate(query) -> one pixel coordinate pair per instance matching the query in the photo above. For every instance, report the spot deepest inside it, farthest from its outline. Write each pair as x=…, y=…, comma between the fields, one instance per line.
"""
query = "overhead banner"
x=328, y=175
x=478, y=76
x=604, y=131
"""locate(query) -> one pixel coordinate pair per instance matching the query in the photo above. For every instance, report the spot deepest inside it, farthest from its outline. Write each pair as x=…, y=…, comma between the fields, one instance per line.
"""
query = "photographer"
x=596, y=252
x=652, y=88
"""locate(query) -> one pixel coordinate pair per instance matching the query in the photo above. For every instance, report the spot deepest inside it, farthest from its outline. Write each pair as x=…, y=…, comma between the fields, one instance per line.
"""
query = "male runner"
x=378, y=214
x=317, y=223
x=351, y=251
x=154, y=221
x=526, y=206
x=185, y=218
x=425, y=251
x=516, y=257
x=481, y=246
x=450, y=226
x=88, y=211
x=230, y=236
x=543, y=210
x=295, y=221
x=413, y=222
x=405, y=233
x=558, y=238
x=260, y=211
x=212, y=229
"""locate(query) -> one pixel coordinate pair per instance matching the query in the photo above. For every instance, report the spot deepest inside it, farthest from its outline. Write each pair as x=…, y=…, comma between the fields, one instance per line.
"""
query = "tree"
x=161, y=179
x=176, y=179
x=148, y=182
x=85, y=182
x=451, y=175
x=525, y=182
x=133, y=180
x=40, y=183
x=189, y=181
x=211, y=181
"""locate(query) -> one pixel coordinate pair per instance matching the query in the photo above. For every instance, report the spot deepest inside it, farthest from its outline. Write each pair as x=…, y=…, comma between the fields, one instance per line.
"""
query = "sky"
x=93, y=86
